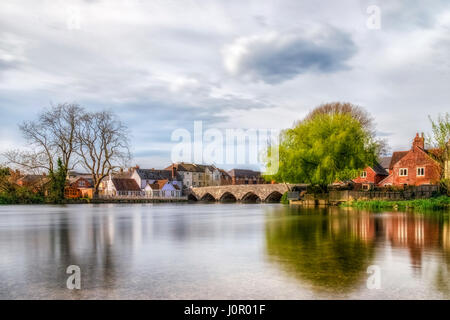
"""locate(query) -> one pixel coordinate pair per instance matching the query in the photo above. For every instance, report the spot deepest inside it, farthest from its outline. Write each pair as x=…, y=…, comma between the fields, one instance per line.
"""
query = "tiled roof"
x=189, y=167
x=385, y=162
x=152, y=174
x=125, y=184
x=241, y=173
x=379, y=169
x=396, y=157
x=159, y=184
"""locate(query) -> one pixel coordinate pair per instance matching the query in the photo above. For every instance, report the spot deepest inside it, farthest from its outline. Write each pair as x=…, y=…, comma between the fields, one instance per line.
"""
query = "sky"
x=161, y=65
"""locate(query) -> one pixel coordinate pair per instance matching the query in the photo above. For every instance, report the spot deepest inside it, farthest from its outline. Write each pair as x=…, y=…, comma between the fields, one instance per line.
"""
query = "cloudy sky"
x=162, y=64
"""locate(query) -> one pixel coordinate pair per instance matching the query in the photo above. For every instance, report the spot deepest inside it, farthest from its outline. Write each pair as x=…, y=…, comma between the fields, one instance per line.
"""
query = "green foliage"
x=437, y=203
x=440, y=139
x=284, y=198
x=57, y=183
x=323, y=149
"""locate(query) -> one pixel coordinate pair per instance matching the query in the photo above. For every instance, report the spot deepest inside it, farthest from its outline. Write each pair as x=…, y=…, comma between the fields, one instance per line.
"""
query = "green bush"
x=284, y=198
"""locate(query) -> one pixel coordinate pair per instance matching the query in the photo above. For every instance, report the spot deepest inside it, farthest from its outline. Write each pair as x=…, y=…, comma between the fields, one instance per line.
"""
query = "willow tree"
x=325, y=148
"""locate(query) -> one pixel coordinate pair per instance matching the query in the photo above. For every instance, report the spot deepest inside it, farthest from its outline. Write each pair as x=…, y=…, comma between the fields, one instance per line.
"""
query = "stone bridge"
x=242, y=192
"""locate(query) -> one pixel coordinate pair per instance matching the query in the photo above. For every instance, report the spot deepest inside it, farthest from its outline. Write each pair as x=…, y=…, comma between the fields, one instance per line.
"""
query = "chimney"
x=137, y=167
x=121, y=170
x=419, y=141
x=174, y=171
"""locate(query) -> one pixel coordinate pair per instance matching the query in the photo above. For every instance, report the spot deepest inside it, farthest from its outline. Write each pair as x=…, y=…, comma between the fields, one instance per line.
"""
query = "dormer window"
x=421, y=171
x=363, y=174
x=403, y=172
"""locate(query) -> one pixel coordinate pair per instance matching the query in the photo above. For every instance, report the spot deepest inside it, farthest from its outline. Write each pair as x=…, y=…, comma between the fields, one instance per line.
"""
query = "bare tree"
x=50, y=137
x=102, y=145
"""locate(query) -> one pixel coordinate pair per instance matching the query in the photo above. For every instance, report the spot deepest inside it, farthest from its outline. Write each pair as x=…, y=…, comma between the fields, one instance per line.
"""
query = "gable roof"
x=125, y=184
x=89, y=180
x=396, y=157
x=385, y=162
x=378, y=169
x=189, y=167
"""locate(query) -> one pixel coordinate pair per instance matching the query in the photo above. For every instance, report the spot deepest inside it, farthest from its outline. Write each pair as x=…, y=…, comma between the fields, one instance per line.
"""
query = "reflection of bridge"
x=243, y=192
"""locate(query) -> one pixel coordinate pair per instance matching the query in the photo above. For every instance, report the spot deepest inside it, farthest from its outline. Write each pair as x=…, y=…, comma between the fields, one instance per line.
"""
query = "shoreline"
x=435, y=203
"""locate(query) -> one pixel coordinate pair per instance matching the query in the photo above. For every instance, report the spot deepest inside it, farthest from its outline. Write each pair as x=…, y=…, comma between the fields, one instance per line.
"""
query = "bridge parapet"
x=244, y=192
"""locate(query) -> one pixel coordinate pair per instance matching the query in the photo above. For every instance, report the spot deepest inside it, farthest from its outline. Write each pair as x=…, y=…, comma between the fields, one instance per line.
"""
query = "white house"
x=146, y=177
x=162, y=189
x=122, y=187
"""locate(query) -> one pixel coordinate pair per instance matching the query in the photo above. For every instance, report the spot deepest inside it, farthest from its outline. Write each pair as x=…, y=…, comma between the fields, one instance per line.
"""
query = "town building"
x=145, y=177
x=416, y=166
x=82, y=187
x=122, y=187
x=371, y=176
x=245, y=176
x=162, y=189
x=196, y=175
x=35, y=182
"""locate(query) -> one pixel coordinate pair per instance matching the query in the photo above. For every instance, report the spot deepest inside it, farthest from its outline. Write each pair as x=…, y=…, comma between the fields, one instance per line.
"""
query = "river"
x=222, y=251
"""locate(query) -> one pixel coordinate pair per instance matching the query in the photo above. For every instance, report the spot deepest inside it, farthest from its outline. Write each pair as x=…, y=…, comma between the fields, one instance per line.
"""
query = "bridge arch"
x=251, y=197
x=228, y=197
x=192, y=197
x=273, y=197
x=207, y=197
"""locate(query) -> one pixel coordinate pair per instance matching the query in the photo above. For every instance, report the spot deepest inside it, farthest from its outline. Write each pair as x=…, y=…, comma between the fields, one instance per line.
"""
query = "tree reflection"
x=329, y=248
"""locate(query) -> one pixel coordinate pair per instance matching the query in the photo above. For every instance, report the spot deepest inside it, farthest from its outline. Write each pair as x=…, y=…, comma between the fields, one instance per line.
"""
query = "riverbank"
x=86, y=200
x=436, y=203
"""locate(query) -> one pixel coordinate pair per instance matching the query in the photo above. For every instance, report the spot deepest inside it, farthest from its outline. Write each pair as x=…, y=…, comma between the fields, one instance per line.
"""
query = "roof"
x=242, y=173
x=89, y=180
x=396, y=157
x=122, y=175
x=152, y=174
x=224, y=174
x=159, y=184
x=125, y=184
x=33, y=178
x=385, y=162
x=190, y=167
x=379, y=169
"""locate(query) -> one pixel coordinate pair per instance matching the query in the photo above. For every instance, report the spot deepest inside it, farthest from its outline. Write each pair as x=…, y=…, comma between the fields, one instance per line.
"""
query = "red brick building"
x=244, y=176
x=371, y=176
x=414, y=167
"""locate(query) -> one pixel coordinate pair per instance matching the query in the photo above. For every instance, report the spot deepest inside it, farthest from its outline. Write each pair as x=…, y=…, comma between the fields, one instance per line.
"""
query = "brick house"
x=244, y=176
x=414, y=167
x=371, y=176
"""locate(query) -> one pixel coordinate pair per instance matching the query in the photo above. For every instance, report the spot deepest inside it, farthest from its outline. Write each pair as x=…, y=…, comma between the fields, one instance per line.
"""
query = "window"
x=403, y=172
x=421, y=171
x=364, y=174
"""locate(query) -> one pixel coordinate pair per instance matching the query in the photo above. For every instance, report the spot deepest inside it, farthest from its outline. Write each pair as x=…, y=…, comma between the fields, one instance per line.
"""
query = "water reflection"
x=220, y=251
x=332, y=247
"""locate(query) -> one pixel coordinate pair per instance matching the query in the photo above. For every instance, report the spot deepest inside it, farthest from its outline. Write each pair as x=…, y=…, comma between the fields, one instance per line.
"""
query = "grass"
x=437, y=203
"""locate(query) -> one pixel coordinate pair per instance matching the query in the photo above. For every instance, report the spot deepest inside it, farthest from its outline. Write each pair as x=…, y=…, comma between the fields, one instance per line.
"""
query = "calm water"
x=221, y=251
